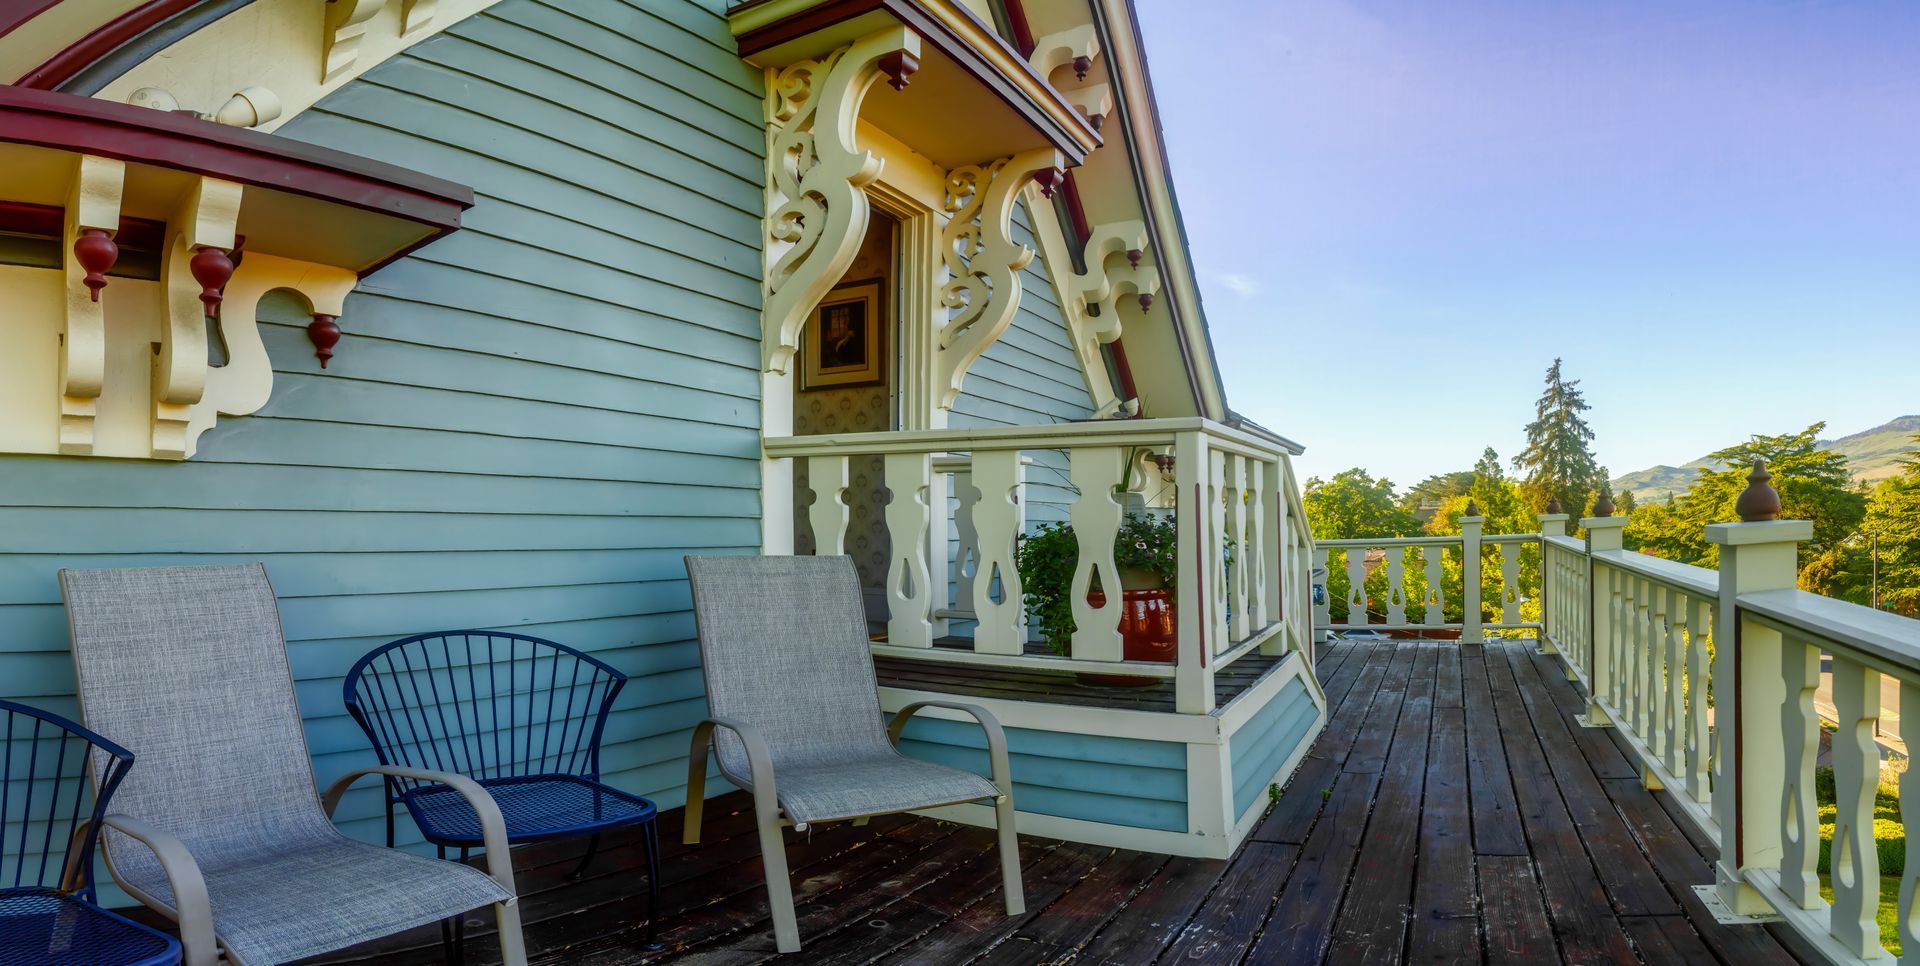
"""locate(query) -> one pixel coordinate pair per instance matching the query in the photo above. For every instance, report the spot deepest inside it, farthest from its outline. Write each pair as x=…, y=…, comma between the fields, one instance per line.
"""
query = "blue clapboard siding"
x=1096, y=778
x=1262, y=744
x=527, y=424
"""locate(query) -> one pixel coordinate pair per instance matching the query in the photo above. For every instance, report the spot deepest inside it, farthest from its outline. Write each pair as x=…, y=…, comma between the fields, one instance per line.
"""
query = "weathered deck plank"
x=1451, y=811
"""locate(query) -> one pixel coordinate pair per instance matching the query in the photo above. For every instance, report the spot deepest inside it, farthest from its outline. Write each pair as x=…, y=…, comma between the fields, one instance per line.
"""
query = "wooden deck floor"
x=1452, y=812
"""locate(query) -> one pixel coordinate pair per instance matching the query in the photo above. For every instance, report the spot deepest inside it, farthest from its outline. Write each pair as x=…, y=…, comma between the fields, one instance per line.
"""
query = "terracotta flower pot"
x=1147, y=632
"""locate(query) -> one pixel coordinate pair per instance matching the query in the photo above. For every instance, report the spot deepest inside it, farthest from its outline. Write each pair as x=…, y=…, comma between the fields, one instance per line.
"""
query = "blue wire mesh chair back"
x=486, y=704
x=45, y=796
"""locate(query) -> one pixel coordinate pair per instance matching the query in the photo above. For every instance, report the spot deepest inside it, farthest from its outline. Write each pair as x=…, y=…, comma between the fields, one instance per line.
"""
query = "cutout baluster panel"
x=997, y=604
x=1097, y=514
x=1396, y=596
x=828, y=477
x=1240, y=551
x=1855, y=858
x=910, y=590
x=1799, y=816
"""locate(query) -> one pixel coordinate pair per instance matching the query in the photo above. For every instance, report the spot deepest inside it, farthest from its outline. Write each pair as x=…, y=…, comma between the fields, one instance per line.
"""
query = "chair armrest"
x=192, y=910
x=759, y=758
x=493, y=826
x=996, y=735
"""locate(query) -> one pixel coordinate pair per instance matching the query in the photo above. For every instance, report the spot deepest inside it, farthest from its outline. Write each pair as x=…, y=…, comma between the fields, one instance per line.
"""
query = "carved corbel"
x=199, y=237
x=1074, y=50
x=1113, y=257
x=93, y=216
x=416, y=15
x=244, y=384
x=985, y=261
x=346, y=24
x=817, y=205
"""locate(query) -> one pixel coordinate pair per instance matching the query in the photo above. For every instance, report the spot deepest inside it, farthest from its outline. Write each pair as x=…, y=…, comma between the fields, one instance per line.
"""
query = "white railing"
x=1415, y=589
x=957, y=514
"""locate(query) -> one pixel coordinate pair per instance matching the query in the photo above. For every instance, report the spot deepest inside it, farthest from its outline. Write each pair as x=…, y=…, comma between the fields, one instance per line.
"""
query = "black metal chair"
x=520, y=715
x=49, y=827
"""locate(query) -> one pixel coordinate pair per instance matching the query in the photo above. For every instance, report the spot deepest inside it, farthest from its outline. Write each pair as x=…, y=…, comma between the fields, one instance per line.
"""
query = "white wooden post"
x=1603, y=533
x=1470, y=631
x=1193, y=674
x=1749, y=689
x=1552, y=611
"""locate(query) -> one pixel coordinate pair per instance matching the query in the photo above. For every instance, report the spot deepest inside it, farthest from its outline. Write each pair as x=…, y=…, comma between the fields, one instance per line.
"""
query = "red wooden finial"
x=1473, y=509
x=1759, y=501
x=325, y=334
x=1146, y=301
x=1603, y=504
x=211, y=268
x=1553, y=504
x=898, y=66
x=1133, y=257
x=1081, y=65
x=1048, y=179
x=96, y=252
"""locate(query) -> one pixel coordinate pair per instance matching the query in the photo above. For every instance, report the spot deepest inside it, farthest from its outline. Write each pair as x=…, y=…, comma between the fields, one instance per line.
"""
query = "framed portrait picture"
x=842, y=344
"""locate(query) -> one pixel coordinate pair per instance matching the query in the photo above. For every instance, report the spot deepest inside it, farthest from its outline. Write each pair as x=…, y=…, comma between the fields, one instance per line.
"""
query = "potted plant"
x=1146, y=554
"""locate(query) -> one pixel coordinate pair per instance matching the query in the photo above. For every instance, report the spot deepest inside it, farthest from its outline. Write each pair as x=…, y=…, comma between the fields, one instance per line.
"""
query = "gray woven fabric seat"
x=796, y=716
x=187, y=667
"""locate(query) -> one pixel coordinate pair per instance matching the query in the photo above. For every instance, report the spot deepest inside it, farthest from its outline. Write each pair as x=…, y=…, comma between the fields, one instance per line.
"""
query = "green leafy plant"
x=1048, y=557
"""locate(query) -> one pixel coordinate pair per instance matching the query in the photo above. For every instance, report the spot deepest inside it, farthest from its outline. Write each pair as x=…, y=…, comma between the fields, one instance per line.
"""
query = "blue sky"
x=1402, y=210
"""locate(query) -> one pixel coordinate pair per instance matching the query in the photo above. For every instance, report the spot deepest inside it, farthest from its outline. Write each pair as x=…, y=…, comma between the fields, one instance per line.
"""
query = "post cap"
x=1473, y=510
x=1603, y=504
x=1759, y=501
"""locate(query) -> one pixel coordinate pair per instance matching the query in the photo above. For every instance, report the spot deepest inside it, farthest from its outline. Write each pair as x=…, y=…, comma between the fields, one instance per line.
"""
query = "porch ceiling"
x=972, y=100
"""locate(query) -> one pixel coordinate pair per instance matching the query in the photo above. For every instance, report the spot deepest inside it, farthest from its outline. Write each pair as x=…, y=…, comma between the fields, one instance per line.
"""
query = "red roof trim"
x=101, y=42
x=142, y=135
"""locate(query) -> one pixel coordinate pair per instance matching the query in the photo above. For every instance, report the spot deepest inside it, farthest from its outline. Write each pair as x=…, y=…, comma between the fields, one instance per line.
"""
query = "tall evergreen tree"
x=1558, y=462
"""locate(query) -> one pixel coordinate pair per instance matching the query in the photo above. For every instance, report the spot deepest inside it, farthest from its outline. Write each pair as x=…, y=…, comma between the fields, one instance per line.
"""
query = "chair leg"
x=650, y=840
x=389, y=824
x=460, y=926
x=513, y=947
x=696, y=799
x=448, y=951
x=773, y=858
x=1009, y=848
x=593, y=848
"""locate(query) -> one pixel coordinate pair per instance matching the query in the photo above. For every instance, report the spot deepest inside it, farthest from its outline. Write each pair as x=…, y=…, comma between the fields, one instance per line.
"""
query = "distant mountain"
x=1871, y=455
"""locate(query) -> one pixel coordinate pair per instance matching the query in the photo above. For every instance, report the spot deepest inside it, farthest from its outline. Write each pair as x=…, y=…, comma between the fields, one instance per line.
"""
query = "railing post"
x=1604, y=532
x=1193, y=590
x=1470, y=629
x=1552, y=524
x=1749, y=688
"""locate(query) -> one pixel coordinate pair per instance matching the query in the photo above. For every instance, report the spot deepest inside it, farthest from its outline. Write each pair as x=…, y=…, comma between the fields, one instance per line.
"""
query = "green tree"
x=1558, y=459
x=1812, y=482
x=1354, y=504
x=1891, y=524
x=1434, y=490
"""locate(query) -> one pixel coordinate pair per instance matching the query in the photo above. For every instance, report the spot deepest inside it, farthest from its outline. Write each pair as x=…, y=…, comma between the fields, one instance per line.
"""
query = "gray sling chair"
x=222, y=828
x=790, y=685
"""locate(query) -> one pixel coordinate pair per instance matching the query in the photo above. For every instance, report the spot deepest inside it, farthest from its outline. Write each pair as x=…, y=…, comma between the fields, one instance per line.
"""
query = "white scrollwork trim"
x=1117, y=267
x=984, y=259
x=817, y=206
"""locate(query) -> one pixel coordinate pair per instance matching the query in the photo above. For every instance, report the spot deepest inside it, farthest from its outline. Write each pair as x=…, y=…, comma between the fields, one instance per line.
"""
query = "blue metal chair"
x=49, y=826
x=521, y=716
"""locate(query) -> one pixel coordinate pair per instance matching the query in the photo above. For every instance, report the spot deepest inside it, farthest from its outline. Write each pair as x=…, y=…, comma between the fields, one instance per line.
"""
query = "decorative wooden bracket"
x=416, y=15
x=199, y=236
x=245, y=383
x=1115, y=269
x=340, y=38
x=1075, y=49
x=93, y=216
x=985, y=261
x=817, y=204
